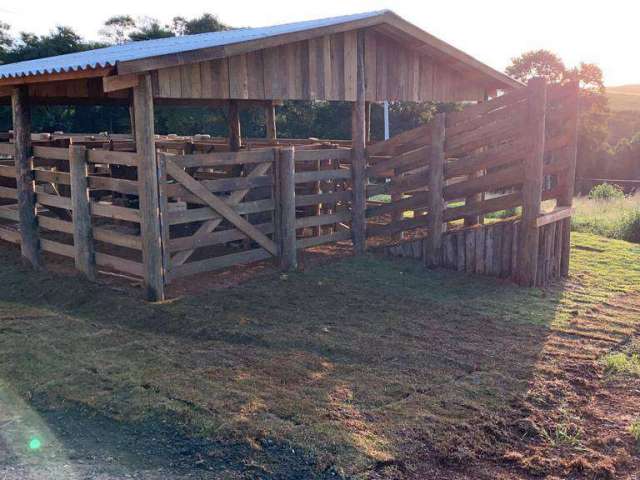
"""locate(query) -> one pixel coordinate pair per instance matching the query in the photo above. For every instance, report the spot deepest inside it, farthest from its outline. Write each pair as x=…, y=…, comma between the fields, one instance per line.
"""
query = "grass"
x=621, y=362
x=617, y=218
x=634, y=429
x=624, y=98
x=349, y=365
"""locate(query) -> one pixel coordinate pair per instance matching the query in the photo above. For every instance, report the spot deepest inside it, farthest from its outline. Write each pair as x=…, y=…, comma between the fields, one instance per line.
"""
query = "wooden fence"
x=428, y=192
x=506, y=155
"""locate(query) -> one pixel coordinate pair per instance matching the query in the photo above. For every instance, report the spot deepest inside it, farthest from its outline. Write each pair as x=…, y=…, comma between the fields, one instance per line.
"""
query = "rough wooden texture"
x=285, y=168
x=29, y=244
x=270, y=123
x=149, y=194
x=235, y=138
x=358, y=164
x=84, y=253
x=532, y=188
x=433, y=244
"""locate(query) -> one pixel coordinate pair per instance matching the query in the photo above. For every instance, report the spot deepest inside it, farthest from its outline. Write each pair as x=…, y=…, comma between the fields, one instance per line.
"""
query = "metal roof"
x=110, y=56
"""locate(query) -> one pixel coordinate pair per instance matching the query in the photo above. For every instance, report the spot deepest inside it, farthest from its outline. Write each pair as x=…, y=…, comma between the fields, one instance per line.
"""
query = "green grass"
x=618, y=218
x=348, y=364
x=634, y=429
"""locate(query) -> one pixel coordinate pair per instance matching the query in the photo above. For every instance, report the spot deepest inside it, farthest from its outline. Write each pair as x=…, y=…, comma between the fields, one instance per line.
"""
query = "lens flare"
x=35, y=444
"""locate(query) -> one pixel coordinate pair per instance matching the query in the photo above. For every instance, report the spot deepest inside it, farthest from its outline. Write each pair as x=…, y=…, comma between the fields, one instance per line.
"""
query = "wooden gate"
x=218, y=210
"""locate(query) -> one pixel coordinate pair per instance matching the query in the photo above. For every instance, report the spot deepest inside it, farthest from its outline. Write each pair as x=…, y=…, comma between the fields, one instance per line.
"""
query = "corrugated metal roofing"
x=109, y=56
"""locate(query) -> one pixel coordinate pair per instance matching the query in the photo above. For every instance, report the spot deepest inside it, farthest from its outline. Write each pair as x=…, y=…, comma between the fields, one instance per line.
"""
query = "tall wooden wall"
x=322, y=68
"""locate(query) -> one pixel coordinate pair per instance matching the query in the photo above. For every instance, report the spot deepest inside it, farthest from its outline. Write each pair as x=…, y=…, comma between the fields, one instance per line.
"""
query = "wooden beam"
x=526, y=270
x=433, y=243
x=83, y=248
x=235, y=135
x=358, y=164
x=57, y=77
x=119, y=82
x=25, y=185
x=270, y=121
x=148, y=185
x=286, y=209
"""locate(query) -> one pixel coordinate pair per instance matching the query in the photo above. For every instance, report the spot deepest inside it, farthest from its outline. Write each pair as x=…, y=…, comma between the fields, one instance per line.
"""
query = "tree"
x=203, y=24
x=117, y=29
x=6, y=42
x=594, y=111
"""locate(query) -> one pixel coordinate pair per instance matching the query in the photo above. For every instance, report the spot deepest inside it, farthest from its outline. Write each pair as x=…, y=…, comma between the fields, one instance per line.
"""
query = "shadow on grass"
x=339, y=370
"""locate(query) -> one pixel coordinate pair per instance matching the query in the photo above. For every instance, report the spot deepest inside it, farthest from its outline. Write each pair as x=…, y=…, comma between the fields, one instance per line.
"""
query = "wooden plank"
x=58, y=248
x=101, y=209
x=84, y=254
x=53, y=153
x=322, y=198
x=52, y=176
x=286, y=209
x=323, y=239
x=526, y=272
x=504, y=202
x=7, y=192
x=358, y=162
x=397, y=226
x=220, y=206
x=419, y=156
x=323, y=154
x=150, y=224
x=25, y=185
x=119, y=82
x=495, y=181
x=491, y=158
x=206, y=213
x=9, y=234
x=7, y=149
x=322, y=175
x=113, y=158
x=120, y=264
x=224, y=158
x=557, y=214
x=480, y=253
x=214, y=238
x=470, y=250
x=328, y=219
x=216, y=263
x=417, y=200
x=433, y=243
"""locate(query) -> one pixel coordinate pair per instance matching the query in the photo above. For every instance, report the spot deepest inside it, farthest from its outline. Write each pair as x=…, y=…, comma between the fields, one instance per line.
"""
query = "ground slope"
x=366, y=368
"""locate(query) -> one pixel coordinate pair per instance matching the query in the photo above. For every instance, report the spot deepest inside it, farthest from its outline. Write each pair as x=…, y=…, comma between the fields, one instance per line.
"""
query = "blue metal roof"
x=110, y=56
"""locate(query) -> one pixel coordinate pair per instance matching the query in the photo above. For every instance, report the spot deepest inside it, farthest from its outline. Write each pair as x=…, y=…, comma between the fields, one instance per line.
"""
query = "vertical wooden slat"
x=84, y=253
x=285, y=173
x=25, y=185
x=532, y=187
x=150, y=224
x=235, y=140
x=433, y=243
x=358, y=204
x=566, y=198
x=270, y=121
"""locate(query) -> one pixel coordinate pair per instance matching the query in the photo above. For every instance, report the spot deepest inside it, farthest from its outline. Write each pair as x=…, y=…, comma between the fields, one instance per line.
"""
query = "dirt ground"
x=363, y=368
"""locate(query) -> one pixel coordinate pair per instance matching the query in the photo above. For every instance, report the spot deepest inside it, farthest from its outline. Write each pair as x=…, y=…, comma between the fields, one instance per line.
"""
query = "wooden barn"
x=160, y=208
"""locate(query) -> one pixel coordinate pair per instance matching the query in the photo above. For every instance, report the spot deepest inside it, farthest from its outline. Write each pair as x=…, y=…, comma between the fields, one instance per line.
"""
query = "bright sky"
x=493, y=31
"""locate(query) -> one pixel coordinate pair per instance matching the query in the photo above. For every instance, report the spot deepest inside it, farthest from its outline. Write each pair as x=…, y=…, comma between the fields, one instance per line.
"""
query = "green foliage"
x=634, y=429
x=617, y=218
x=606, y=191
x=622, y=363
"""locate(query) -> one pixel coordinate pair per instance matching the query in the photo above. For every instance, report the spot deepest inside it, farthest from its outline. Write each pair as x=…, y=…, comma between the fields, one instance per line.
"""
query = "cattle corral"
x=160, y=208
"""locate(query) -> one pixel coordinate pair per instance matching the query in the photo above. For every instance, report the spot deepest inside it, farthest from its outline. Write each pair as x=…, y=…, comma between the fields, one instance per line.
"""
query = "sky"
x=493, y=31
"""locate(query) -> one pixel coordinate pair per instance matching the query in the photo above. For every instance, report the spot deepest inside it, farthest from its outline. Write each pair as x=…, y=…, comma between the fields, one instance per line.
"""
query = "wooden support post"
x=367, y=124
x=235, y=140
x=270, y=121
x=526, y=271
x=25, y=185
x=433, y=243
x=566, y=198
x=358, y=164
x=148, y=188
x=84, y=253
x=285, y=176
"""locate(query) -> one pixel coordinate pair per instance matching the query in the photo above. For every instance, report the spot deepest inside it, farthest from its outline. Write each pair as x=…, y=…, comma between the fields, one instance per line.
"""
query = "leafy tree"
x=203, y=24
x=117, y=29
x=594, y=111
x=6, y=42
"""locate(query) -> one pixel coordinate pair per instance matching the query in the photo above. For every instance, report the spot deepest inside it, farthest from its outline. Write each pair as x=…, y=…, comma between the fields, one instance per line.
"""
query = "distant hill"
x=625, y=97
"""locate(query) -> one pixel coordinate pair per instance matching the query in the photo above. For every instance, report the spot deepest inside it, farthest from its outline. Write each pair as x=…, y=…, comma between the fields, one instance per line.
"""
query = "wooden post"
x=285, y=176
x=358, y=163
x=25, y=185
x=81, y=209
x=433, y=243
x=566, y=198
x=270, y=121
x=367, y=124
x=148, y=188
x=235, y=140
x=527, y=267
